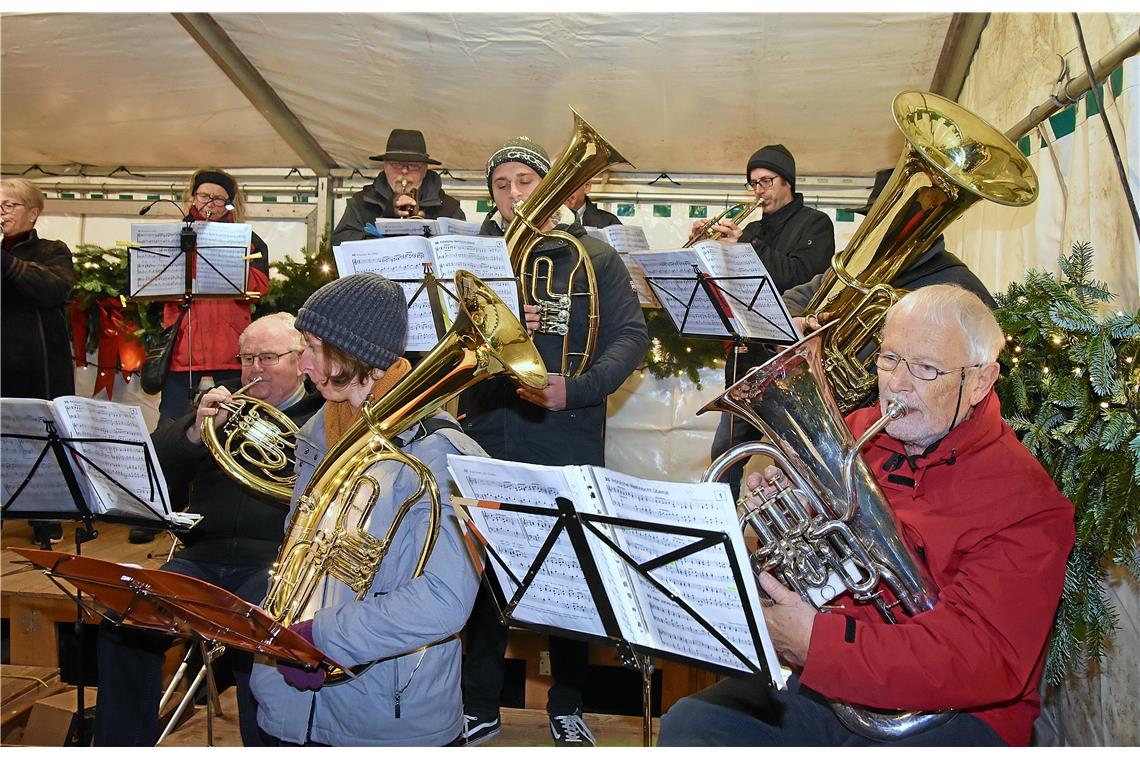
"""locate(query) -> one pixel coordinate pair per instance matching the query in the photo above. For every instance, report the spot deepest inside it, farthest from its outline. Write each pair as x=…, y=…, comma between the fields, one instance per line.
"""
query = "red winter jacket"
x=995, y=533
x=215, y=324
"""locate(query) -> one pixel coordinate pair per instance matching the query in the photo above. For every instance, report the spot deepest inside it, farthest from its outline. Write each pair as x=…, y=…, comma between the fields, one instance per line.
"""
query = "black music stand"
x=576, y=525
x=430, y=286
x=79, y=510
x=187, y=254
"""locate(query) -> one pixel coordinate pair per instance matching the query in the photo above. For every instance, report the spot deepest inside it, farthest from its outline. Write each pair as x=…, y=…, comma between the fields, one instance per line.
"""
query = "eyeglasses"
x=928, y=372
x=764, y=183
x=267, y=360
x=12, y=205
x=206, y=199
x=406, y=166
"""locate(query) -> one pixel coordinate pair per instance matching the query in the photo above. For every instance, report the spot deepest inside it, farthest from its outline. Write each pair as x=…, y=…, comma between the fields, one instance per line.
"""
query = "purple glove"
x=299, y=678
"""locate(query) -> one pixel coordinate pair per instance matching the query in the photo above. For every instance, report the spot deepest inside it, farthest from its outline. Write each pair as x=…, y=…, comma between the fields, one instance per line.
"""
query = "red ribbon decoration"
x=119, y=348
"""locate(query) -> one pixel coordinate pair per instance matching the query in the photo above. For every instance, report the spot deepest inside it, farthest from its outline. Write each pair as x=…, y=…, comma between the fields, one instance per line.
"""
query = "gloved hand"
x=299, y=678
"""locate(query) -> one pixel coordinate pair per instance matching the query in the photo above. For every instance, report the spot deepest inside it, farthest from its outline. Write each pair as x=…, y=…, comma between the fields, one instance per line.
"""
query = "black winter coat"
x=375, y=202
x=508, y=427
x=795, y=242
x=238, y=527
x=35, y=344
x=592, y=216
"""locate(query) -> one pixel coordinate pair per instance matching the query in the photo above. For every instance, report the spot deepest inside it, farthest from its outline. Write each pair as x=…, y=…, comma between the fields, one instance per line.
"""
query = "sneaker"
x=477, y=730
x=571, y=731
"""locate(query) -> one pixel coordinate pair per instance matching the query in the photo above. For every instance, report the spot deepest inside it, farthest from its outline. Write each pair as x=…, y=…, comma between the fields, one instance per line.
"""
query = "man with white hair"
x=983, y=517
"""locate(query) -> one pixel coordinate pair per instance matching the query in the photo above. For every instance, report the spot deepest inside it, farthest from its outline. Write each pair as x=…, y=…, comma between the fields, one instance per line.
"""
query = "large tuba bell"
x=255, y=445
x=833, y=531
x=328, y=533
x=952, y=159
x=587, y=154
x=737, y=212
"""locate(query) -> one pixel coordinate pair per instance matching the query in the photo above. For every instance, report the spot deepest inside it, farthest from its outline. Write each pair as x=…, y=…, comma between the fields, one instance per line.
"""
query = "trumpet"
x=737, y=212
x=414, y=212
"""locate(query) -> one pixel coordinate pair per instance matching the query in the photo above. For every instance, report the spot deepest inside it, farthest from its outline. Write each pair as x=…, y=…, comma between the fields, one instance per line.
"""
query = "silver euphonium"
x=833, y=530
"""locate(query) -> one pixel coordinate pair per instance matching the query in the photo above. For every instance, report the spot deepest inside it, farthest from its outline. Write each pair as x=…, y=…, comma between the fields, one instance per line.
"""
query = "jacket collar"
x=781, y=216
x=983, y=426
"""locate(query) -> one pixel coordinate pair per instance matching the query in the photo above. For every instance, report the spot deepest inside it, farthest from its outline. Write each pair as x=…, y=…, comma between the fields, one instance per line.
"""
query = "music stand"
x=431, y=286
x=184, y=254
x=177, y=605
x=80, y=510
x=576, y=524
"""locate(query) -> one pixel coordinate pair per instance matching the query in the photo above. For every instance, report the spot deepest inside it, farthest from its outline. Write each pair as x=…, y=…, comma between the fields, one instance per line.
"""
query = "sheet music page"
x=558, y=594
x=674, y=294
x=397, y=227
x=596, y=232
x=485, y=257
x=157, y=248
x=47, y=491
x=704, y=579
x=646, y=298
x=222, y=266
x=400, y=259
x=625, y=238
x=449, y=226
x=91, y=418
x=768, y=318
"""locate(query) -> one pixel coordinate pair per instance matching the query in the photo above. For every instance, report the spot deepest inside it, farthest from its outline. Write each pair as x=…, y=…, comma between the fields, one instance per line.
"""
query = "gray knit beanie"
x=365, y=315
x=521, y=149
x=776, y=158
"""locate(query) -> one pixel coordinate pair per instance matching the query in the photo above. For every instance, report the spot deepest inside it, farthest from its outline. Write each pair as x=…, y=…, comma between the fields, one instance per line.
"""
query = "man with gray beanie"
x=795, y=243
x=406, y=623
x=563, y=424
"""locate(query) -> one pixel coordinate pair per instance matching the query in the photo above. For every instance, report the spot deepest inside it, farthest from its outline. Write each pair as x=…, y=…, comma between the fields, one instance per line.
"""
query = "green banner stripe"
x=1024, y=145
x=842, y=215
x=1116, y=81
x=662, y=210
x=625, y=209
x=1063, y=122
x=698, y=212
x=482, y=206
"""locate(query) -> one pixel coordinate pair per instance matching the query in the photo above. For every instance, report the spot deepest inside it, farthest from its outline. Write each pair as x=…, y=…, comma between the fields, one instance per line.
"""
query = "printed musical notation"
x=158, y=267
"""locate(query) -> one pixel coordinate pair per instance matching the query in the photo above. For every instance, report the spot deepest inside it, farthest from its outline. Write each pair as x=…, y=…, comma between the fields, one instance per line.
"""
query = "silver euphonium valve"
x=831, y=531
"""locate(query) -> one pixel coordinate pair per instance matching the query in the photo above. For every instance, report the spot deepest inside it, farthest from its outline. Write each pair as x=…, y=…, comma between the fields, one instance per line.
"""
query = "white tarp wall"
x=1012, y=71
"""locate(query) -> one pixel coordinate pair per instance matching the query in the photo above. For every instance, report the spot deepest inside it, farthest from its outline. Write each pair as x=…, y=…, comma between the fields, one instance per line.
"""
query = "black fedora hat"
x=405, y=145
x=881, y=178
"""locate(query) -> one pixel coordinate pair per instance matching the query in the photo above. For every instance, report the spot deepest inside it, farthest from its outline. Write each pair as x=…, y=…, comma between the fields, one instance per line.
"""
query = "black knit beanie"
x=776, y=158
x=365, y=315
x=521, y=149
x=217, y=178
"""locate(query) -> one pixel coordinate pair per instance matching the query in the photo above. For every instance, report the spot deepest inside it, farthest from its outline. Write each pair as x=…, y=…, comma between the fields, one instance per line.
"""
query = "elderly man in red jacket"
x=980, y=513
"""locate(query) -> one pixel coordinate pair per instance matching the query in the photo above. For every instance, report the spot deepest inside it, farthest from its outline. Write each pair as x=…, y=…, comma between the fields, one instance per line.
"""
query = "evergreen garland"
x=1070, y=387
x=103, y=273
x=299, y=279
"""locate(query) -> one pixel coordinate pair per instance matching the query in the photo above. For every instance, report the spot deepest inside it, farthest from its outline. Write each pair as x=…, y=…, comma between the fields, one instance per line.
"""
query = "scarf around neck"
x=341, y=415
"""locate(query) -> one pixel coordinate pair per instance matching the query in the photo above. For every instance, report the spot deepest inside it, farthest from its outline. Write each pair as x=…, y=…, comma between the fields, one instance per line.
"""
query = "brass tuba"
x=255, y=446
x=952, y=159
x=328, y=532
x=833, y=530
x=738, y=212
x=587, y=154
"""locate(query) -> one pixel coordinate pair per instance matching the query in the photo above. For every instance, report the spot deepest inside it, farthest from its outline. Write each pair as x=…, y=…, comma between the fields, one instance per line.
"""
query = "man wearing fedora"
x=389, y=196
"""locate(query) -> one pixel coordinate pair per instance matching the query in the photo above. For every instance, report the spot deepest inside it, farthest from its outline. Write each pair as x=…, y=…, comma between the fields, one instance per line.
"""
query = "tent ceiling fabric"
x=684, y=93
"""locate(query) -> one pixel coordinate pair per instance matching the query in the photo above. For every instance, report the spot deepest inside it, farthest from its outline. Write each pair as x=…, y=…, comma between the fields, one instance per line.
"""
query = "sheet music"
x=671, y=275
x=400, y=259
x=158, y=267
x=47, y=491
x=704, y=579
x=645, y=295
x=449, y=226
x=740, y=260
x=558, y=594
x=625, y=238
x=485, y=257
x=90, y=418
x=399, y=227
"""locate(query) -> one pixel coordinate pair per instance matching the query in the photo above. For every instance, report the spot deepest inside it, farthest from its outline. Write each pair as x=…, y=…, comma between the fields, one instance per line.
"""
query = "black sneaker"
x=571, y=731
x=477, y=730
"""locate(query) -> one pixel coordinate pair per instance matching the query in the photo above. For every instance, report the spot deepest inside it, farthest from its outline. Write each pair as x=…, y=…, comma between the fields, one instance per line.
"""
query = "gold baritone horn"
x=951, y=160
x=737, y=212
x=587, y=154
x=328, y=536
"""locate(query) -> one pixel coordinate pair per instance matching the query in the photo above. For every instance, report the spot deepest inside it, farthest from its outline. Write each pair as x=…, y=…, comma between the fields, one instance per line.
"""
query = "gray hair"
x=283, y=319
x=26, y=191
x=952, y=305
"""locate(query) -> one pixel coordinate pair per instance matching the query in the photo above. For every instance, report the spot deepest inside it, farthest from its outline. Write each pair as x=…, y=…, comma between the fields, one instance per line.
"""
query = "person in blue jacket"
x=408, y=627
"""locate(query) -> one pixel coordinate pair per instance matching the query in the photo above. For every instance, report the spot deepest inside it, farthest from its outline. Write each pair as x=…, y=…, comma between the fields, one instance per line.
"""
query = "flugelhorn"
x=414, y=193
x=737, y=212
x=587, y=154
x=833, y=530
x=255, y=446
x=328, y=536
x=952, y=159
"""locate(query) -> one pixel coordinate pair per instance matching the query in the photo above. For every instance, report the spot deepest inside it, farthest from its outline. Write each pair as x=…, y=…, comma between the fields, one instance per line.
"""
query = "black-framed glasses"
x=206, y=198
x=887, y=363
x=763, y=183
x=267, y=359
x=12, y=205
